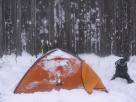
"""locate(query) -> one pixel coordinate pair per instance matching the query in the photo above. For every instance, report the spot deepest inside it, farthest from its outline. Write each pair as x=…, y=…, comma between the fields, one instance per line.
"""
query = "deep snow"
x=12, y=69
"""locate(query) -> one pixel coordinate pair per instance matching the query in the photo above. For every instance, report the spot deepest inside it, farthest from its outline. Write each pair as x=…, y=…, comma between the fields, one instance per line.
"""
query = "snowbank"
x=13, y=68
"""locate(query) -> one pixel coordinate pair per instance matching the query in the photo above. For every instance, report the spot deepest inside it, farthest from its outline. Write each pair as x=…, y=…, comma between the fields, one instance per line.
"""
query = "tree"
x=1, y=32
x=102, y=27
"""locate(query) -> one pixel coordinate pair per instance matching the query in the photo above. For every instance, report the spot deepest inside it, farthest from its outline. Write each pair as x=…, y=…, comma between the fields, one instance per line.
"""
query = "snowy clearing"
x=13, y=68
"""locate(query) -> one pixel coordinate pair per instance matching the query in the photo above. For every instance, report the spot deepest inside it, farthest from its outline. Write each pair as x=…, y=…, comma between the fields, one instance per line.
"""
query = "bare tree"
x=82, y=26
x=1, y=32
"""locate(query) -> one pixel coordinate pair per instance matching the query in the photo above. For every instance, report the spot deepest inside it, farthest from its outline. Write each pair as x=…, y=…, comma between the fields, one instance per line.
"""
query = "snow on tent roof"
x=59, y=53
x=58, y=58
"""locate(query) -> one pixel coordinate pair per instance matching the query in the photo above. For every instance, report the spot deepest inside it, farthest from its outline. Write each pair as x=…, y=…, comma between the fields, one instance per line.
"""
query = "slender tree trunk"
x=18, y=27
x=51, y=24
x=68, y=24
x=1, y=32
x=33, y=27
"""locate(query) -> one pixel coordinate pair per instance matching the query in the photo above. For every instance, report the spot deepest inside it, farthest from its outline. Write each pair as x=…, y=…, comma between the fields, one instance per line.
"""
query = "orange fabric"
x=39, y=79
x=68, y=75
x=90, y=79
x=37, y=76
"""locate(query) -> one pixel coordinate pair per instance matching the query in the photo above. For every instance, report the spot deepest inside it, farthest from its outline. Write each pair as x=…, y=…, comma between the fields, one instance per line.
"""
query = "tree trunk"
x=1, y=32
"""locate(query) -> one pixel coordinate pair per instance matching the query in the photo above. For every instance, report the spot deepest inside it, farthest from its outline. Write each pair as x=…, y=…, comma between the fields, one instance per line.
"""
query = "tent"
x=58, y=69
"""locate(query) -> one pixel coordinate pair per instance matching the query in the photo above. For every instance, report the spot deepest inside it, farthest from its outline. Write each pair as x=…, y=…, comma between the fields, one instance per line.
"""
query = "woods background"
x=102, y=27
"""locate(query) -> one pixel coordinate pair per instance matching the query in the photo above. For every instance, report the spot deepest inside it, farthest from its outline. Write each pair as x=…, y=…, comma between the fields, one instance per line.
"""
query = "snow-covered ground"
x=12, y=69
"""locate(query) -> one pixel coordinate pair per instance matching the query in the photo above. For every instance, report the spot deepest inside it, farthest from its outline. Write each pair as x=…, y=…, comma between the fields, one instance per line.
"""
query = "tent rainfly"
x=59, y=70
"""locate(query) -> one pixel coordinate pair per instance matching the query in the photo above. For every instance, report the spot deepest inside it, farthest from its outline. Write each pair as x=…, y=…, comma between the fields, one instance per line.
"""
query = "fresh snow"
x=58, y=53
x=13, y=68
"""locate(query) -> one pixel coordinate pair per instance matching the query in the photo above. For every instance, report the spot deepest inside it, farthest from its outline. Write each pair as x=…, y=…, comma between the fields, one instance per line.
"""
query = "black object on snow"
x=122, y=70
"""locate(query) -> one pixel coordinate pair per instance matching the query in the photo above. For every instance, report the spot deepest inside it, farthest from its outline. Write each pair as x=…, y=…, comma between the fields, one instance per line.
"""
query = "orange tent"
x=59, y=70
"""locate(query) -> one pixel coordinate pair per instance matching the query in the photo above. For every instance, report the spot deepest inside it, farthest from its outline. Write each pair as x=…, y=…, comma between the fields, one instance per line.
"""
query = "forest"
x=103, y=27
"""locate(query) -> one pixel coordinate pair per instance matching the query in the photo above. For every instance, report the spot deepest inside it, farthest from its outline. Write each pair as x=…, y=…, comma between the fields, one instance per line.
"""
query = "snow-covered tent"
x=59, y=70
